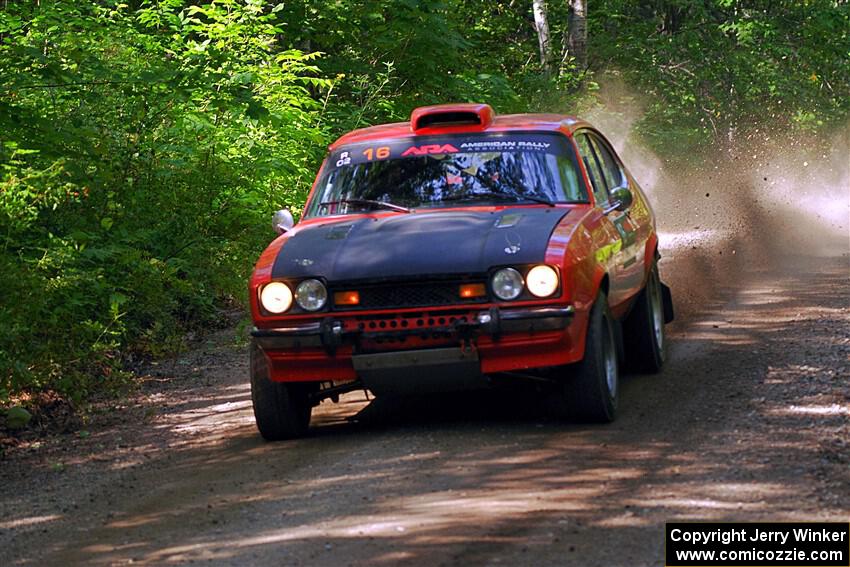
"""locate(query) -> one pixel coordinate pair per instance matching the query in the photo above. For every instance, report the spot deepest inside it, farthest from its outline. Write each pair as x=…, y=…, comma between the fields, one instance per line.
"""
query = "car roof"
x=489, y=123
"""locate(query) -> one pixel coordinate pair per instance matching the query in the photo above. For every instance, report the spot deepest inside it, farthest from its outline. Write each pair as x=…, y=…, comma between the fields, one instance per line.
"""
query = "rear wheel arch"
x=604, y=285
x=643, y=329
x=651, y=255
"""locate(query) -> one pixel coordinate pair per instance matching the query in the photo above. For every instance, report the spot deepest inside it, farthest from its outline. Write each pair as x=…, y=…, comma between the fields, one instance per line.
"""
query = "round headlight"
x=276, y=297
x=507, y=284
x=542, y=281
x=311, y=295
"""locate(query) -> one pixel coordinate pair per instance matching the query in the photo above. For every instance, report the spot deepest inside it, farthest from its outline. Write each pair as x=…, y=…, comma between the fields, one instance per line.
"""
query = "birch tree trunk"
x=541, y=22
x=577, y=36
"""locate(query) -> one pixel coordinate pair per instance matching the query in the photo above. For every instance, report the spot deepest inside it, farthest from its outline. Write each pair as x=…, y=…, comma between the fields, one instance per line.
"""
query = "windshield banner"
x=381, y=150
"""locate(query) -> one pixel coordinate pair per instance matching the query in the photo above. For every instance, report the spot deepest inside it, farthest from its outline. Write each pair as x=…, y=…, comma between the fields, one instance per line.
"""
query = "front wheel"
x=643, y=330
x=591, y=394
x=282, y=410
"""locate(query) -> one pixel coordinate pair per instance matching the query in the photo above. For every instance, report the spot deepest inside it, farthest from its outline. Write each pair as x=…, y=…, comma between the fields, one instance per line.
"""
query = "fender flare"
x=650, y=254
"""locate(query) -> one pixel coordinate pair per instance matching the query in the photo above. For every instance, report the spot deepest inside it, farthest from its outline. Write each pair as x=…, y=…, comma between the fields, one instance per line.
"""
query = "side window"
x=597, y=178
x=573, y=190
x=611, y=168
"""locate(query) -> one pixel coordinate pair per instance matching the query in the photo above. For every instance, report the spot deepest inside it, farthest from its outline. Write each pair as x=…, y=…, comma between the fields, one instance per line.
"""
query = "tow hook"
x=331, y=332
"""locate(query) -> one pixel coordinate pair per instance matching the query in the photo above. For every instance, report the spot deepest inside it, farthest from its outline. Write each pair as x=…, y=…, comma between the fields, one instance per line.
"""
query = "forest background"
x=145, y=144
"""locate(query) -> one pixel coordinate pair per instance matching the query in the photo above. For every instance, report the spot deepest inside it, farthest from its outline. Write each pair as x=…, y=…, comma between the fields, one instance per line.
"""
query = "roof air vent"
x=451, y=115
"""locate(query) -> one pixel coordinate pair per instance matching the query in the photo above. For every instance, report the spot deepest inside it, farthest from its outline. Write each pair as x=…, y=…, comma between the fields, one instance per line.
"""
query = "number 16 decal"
x=382, y=152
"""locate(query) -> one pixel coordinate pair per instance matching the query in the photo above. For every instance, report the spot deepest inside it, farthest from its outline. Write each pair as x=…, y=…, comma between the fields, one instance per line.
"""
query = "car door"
x=611, y=230
x=630, y=266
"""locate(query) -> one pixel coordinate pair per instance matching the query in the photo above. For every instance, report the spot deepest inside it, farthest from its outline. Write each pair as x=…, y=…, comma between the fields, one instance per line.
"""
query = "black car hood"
x=418, y=244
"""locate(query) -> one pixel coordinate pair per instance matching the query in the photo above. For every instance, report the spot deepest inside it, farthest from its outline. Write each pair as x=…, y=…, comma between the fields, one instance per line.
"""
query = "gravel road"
x=749, y=421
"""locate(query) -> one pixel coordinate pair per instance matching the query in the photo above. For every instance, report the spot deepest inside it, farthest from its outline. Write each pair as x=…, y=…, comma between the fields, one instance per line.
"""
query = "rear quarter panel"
x=644, y=216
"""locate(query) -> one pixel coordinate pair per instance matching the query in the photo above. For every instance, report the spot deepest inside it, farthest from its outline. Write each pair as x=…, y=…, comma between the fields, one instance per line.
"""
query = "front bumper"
x=341, y=348
x=331, y=333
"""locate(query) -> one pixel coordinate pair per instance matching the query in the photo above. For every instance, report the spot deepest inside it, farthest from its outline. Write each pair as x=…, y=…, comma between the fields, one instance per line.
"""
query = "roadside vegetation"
x=145, y=144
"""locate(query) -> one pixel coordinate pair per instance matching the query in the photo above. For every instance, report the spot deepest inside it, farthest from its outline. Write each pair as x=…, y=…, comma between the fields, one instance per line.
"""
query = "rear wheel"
x=643, y=330
x=591, y=394
x=282, y=410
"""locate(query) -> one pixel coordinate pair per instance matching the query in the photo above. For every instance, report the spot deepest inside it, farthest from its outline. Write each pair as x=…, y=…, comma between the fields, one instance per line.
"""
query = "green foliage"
x=719, y=71
x=140, y=155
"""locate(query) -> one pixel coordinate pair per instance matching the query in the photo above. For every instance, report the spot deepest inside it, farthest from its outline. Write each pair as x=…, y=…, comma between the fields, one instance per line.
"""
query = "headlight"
x=542, y=281
x=311, y=295
x=276, y=297
x=507, y=284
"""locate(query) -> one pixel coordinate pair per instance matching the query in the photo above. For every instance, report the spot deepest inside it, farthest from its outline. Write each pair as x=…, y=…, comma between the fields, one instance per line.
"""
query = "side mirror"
x=621, y=198
x=282, y=221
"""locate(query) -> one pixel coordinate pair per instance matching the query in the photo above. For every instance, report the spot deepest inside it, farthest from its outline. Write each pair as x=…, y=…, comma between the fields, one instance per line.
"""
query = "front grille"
x=407, y=294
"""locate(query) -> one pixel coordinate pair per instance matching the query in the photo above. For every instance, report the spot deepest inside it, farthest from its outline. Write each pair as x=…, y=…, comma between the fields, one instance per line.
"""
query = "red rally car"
x=454, y=249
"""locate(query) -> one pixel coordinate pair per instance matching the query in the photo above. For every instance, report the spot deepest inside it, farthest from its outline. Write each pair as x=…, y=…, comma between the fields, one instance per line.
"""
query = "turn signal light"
x=472, y=290
x=347, y=298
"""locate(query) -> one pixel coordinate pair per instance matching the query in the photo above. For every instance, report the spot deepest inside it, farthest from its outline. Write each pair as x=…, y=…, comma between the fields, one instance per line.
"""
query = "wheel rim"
x=610, y=364
x=657, y=311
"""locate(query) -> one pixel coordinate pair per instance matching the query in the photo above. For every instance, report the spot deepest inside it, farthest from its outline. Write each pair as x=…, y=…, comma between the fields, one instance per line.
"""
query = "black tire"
x=591, y=393
x=644, y=338
x=282, y=410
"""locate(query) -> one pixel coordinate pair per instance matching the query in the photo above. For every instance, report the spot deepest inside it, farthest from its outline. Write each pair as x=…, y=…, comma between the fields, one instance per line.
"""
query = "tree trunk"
x=541, y=23
x=577, y=36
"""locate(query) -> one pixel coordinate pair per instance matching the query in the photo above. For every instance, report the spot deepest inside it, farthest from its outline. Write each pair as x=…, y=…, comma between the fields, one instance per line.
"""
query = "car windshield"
x=431, y=172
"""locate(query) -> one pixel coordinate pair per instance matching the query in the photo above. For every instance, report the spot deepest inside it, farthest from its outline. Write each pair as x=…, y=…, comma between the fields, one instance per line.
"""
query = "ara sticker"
x=430, y=149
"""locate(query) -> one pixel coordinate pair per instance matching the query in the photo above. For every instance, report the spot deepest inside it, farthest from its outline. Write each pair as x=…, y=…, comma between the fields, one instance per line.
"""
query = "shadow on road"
x=746, y=423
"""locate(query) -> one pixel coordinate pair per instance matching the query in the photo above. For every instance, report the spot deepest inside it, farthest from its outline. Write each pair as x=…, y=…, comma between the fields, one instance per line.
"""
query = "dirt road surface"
x=749, y=421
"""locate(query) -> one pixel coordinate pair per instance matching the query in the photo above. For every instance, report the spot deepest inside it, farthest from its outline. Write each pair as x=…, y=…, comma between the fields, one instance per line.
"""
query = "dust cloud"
x=757, y=203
